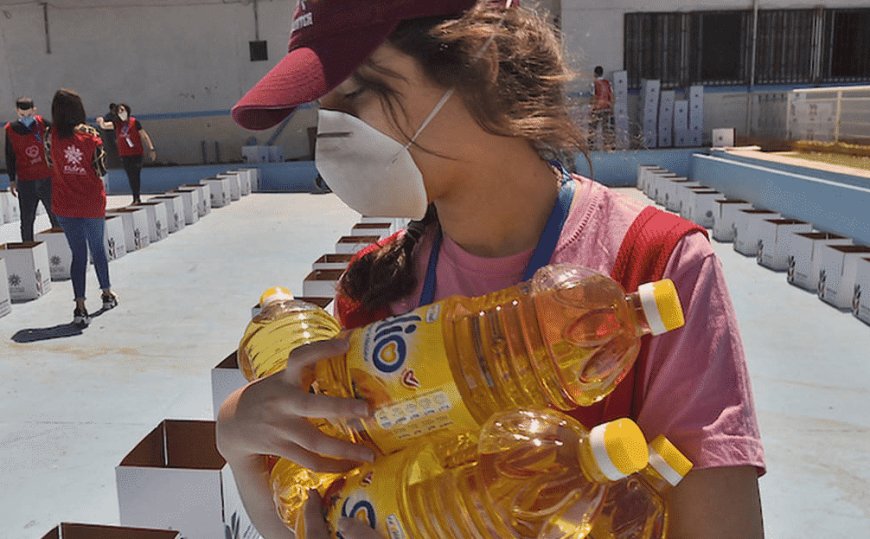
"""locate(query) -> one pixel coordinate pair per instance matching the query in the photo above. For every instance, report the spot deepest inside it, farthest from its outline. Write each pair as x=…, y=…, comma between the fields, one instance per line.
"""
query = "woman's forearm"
x=252, y=480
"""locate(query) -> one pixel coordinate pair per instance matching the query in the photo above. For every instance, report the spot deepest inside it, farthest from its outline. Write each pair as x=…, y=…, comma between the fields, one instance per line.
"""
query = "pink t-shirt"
x=697, y=390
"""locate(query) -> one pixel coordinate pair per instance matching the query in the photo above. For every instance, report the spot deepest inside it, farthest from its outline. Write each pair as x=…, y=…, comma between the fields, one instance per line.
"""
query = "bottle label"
x=369, y=494
x=400, y=367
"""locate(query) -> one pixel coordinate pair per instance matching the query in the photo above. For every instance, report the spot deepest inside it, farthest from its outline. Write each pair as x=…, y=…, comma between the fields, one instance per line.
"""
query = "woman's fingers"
x=312, y=513
x=313, y=461
x=352, y=528
x=312, y=439
x=322, y=406
x=309, y=354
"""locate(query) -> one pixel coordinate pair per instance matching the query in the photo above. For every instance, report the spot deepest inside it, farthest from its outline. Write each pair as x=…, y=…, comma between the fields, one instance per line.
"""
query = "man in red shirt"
x=29, y=175
x=602, y=108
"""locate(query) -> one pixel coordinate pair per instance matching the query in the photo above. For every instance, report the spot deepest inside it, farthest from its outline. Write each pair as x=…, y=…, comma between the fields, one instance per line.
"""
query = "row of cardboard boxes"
x=830, y=265
x=29, y=267
x=174, y=478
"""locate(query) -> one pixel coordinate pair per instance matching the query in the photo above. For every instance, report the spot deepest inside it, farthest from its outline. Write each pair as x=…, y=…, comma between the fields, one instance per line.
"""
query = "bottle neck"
x=589, y=465
x=655, y=479
x=641, y=325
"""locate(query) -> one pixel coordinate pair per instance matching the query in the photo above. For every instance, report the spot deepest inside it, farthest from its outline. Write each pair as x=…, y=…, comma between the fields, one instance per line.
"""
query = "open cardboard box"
x=371, y=229
x=220, y=191
x=9, y=207
x=5, y=299
x=725, y=215
x=190, y=202
x=861, y=293
x=115, y=240
x=804, y=258
x=332, y=261
x=59, y=253
x=686, y=199
x=158, y=217
x=700, y=207
x=674, y=193
x=94, y=531
x=747, y=230
x=174, y=210
x=176, y=479
x=246, y=180
x=644, y=173
x=352, y=244
x=225, y=378
x=321, y=283
x=659, y=184
x=235, y=184
x=204, y=197
x=28, y=268
x=775, y=234
x=838, y=272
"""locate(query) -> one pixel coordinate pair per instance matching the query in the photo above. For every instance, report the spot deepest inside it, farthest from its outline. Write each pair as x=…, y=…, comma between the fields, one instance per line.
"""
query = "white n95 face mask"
x=371, y=172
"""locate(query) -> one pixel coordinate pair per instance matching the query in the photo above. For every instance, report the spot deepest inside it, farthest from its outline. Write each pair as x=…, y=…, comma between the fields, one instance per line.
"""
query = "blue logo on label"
x=362, y=510
x=390, y=349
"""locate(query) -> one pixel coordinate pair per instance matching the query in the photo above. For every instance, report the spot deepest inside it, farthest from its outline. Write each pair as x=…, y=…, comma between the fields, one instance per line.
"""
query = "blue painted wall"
x=296, y=176
x=619, y=169
x=830, y=206
x=794, y=169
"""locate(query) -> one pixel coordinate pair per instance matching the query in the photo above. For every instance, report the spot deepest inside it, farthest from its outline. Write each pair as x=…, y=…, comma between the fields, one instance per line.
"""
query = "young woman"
x=449, y=111
x=75, y=155
x=129, y=138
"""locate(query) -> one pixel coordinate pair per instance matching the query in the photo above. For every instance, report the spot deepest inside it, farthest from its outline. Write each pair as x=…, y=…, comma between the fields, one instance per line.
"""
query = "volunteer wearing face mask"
x=129, y=139
x=29, y=175
x=446, y=112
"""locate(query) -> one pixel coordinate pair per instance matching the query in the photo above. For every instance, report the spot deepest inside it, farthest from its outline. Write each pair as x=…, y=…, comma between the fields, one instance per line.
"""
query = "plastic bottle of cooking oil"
x=282, y=325
x=636, y=507
x=563, y=339
x=533, y=474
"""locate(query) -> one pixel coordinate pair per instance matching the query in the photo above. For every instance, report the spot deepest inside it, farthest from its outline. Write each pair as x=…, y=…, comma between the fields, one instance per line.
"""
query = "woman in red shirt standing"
x=131, y=140
x=75, y=154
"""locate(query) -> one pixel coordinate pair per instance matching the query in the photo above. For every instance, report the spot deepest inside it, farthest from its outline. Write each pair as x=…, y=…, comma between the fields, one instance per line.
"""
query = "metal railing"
x=839, y=114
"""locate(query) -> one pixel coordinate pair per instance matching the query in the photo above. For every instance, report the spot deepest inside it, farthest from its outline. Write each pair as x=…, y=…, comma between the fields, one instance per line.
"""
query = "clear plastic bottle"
x=533, y=474
x=636, y=507
x=563, y=339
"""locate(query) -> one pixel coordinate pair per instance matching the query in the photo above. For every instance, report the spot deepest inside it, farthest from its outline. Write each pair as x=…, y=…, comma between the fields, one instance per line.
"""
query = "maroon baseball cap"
x=329, y=39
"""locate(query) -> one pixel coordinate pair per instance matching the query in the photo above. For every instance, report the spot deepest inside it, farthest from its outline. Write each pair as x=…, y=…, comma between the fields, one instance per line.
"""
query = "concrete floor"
x=72, y=407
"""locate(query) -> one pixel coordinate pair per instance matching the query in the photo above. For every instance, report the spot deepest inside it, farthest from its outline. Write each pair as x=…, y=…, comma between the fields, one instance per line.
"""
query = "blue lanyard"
x=542, y=253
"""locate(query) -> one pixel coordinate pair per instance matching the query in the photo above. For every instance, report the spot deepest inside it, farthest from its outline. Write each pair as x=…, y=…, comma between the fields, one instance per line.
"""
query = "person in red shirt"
x=602, y=108
x=77, y=160
x=129, y=139
x=29, y=177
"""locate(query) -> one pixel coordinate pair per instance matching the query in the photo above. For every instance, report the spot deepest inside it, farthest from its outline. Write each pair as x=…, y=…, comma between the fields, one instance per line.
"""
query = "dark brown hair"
x=516, y=87
x=67, y=111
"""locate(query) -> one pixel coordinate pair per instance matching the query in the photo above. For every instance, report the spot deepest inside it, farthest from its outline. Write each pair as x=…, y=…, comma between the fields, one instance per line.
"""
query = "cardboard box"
x=861, y=294
x=276, y=154
x=724, y=217
x=115, y=240
x=255, y=154
x=28, y=269
x=838, y=271
x=175, y=478
x=225, y=378
x=190, y=203
x=157, y=216
x=321, y=283
x=723, y=137
x=332, y=262
x=700, y=206
x=696, y=110
x=135, y=227
x=804, y=260
x=204, y=201
x=5, y=299
x=235, y=184
x=220, y=191
x=94, y=531
x=775, y=235
x=645, y=174
x=660, y=185
x=59, y=253
x=681, y=123
x=246, y=179
x=666, y=119
x=174, y=211
x=685, y=195
x=747, y=230
x=9, y=207
x=674, y=193
x=381, y=230
x=323, y=303
x=352, y=244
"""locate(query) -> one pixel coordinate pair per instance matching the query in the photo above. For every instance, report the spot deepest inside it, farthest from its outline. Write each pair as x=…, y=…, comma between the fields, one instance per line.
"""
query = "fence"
x=839, y=114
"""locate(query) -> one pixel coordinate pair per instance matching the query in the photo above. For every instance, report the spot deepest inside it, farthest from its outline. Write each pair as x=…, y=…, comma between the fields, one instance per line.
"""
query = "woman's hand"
x=271, y=417
x=315, y=525
x=152, y=153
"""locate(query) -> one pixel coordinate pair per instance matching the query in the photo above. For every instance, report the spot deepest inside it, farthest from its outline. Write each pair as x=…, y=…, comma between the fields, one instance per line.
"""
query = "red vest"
x=127, y=138
x=30, y=163
x=642, y=258
x=603, y=95
x=76, y=190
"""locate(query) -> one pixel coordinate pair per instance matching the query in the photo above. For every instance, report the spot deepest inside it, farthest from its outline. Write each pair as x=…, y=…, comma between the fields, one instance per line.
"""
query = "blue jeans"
x=82, y=233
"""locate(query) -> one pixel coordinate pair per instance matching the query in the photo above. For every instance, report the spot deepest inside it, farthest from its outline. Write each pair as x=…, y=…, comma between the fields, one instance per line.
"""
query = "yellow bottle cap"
x=667, y=460
x=619, y=448
x=276, y=293
x=661, y=305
